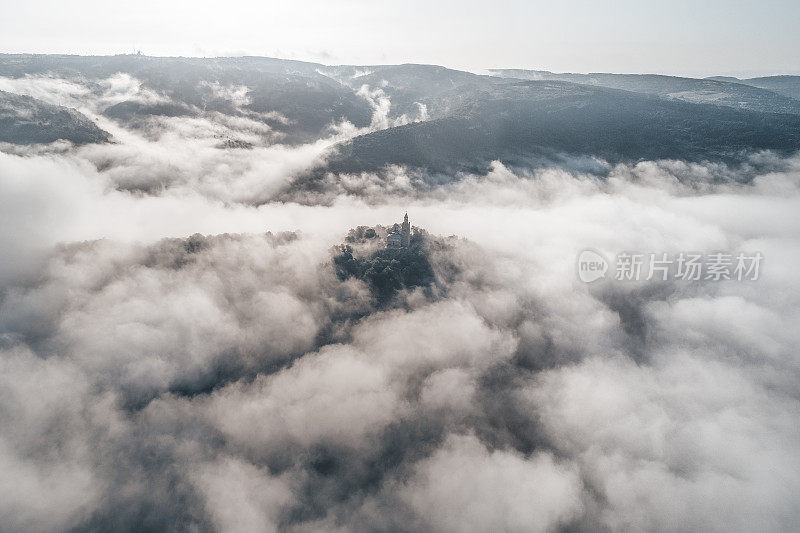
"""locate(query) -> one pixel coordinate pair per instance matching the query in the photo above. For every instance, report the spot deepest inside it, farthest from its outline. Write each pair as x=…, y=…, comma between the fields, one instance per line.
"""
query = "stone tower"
x=406, y=231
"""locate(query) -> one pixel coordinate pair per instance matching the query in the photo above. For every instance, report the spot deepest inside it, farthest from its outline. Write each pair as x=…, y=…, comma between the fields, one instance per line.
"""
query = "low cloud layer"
x=177, y=351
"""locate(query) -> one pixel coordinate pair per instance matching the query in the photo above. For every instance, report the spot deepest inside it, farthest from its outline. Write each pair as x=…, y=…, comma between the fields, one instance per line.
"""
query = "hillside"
x=26, y=120
x=718, y=91
x=289, y=96
x=785, y=85
x=540, y=118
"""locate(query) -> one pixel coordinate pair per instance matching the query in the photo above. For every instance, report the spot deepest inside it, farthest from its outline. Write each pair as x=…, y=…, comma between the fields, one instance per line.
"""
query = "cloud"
x=337, y=398
x=49, y=482
x=464, y=486
x=673, y=445
x=53, y=90
x=122, y=87
x=90, y=97
x=381, y=108
x=241, y=497
x=236, y=94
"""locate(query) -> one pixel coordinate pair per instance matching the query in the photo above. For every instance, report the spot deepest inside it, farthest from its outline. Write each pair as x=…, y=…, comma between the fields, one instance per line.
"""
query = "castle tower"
x=406, y=231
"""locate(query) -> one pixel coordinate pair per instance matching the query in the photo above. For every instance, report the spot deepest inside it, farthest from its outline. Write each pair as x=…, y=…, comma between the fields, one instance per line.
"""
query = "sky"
x=700, y=38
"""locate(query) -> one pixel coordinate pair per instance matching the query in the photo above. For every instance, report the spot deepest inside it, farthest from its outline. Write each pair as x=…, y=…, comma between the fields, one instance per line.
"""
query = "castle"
x=401, y=238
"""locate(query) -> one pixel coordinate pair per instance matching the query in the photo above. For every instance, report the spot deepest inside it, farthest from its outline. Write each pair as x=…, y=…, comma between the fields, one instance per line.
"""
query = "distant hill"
x=434, y=86
x=464, y=120
x=717, y=91
x=527, y=119
x=785, y=85
x=307, y=102
x=26, y=120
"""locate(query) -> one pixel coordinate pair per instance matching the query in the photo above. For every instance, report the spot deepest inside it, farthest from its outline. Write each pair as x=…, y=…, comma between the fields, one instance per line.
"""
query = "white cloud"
x=465, y=487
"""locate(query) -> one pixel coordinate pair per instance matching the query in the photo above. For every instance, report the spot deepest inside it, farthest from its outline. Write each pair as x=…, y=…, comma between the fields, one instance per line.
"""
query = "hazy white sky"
x=674, y=37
